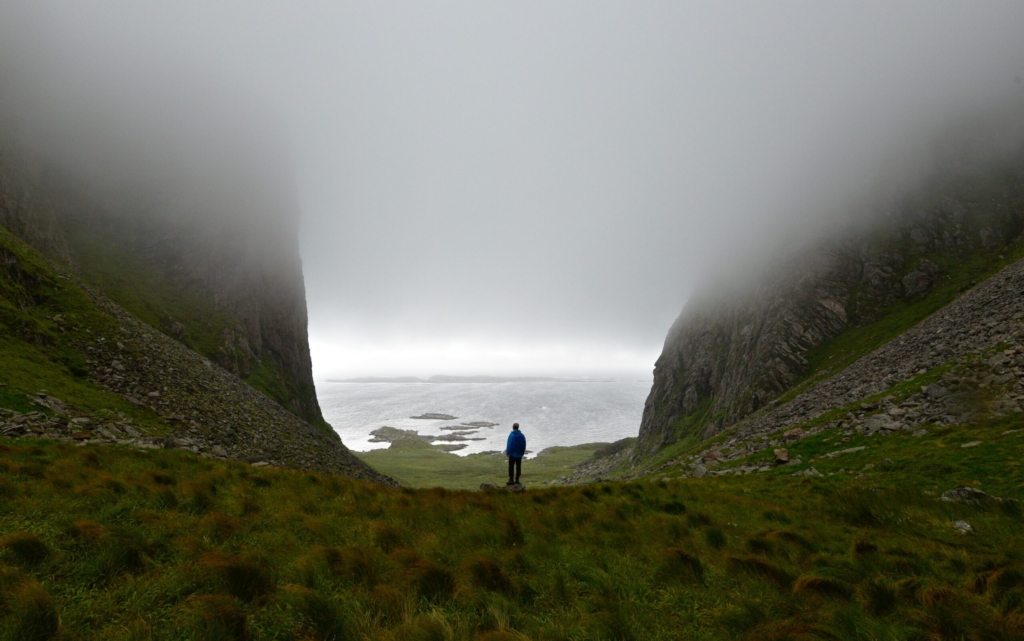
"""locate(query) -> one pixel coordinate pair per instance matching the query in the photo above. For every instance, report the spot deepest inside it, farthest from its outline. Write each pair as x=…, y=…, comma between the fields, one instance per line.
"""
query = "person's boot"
x=510, y=482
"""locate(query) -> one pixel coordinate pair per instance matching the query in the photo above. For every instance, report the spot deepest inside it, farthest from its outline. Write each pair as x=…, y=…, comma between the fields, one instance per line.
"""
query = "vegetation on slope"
x=110, y=543
x=43, y=319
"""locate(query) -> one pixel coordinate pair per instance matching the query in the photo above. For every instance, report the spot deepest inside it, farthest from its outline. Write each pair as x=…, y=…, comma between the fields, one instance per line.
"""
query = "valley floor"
x=416, y=464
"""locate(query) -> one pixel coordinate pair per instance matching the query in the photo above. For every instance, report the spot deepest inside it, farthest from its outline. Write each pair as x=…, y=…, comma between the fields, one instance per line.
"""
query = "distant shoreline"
x=442, y=379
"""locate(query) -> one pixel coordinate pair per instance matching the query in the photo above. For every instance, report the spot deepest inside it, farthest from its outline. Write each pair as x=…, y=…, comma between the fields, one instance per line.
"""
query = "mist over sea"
x=549, y=413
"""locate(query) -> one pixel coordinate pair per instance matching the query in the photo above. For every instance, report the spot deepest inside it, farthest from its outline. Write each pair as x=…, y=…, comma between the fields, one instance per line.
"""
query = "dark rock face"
x=24, y=211
x=983, y=379
x=189, y=402
x=249, y=275
x=729, y=360
x=724, y=360
x=234, y=272
x=966, y=335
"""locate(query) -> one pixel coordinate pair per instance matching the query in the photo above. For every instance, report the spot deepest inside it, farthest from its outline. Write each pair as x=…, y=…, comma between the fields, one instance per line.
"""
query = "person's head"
x=515, y=426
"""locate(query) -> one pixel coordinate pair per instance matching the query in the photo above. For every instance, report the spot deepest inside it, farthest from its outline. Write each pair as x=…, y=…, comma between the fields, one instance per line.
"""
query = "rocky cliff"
x=157, y=297
x=228, y=286
x=815, y=313
x=25, y=210
x=75, y=366
x=212, y=264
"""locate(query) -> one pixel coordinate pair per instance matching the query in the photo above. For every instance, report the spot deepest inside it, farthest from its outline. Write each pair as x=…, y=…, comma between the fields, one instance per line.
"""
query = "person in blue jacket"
x=515, y=448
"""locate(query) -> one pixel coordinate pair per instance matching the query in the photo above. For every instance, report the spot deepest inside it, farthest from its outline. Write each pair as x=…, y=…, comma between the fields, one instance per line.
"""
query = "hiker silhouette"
x=515, y=448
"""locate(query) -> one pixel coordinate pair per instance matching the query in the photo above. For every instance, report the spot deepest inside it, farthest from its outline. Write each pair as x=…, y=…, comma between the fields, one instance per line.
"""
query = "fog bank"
x=531, y=187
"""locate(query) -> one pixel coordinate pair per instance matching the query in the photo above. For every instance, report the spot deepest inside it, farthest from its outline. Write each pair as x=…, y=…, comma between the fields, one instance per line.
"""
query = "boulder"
x=808, y=472
x=781, y=456
x=935, y=391
x=794, y=434
x=962, y=527
x=964, y=494
x=916, y=283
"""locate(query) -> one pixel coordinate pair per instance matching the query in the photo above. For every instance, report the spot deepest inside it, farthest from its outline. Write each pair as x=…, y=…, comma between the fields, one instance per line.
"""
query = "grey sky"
x=491, y=187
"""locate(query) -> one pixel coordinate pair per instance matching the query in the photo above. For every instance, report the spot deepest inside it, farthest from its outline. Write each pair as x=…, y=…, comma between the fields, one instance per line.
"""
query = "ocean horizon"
x=550, y=412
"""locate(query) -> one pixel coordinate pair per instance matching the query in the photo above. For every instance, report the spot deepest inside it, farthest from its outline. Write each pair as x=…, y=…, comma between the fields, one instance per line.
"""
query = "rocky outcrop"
x=724, y=360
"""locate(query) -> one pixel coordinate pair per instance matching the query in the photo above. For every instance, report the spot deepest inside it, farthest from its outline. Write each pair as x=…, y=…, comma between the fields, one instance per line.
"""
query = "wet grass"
x=111, y=543
x=47, y=327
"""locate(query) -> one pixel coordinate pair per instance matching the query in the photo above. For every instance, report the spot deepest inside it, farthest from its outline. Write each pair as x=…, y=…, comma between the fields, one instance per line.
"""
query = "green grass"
x=122, y=544
x=935, y=460
x=46, y=326
x=417, y=464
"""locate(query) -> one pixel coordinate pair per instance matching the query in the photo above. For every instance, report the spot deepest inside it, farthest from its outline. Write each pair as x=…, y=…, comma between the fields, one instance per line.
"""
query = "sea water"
x=549, y=413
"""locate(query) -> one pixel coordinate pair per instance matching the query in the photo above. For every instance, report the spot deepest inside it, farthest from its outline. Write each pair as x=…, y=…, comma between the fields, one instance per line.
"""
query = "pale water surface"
x=552, y=413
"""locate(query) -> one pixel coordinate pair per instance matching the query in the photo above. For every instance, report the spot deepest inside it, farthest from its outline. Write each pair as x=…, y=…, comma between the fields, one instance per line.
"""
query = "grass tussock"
x=226, y=552
x=822, y=586
x=24, y=548
x=680, y=565
x=244, y=578
x=216, y=617
x=761, y=569
x=27, y=612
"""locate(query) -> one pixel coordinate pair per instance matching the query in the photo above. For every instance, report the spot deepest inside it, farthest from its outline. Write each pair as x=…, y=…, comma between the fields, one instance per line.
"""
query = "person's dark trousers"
x=514, y=465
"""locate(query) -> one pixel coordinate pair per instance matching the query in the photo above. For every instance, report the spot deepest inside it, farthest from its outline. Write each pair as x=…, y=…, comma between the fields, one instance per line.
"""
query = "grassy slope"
x=164, y=545
x=418, y=464
x=38, y=352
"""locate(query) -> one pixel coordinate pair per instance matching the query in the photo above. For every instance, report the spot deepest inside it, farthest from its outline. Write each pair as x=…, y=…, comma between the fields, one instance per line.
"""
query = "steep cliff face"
x=217, y=271
x=230, y=288
x=812, y=315
x=75, y=366
x=25, y=210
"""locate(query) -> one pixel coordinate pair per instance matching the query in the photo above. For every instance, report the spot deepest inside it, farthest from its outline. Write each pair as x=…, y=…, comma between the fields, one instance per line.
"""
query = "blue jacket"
x=516, y=445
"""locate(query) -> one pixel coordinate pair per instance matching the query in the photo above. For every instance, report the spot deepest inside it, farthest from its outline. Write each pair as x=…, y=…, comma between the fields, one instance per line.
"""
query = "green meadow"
x=417, y=464
x=114, y=543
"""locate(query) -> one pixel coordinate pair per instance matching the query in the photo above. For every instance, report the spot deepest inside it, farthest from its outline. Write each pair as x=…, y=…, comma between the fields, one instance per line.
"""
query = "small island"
x=387, y=434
